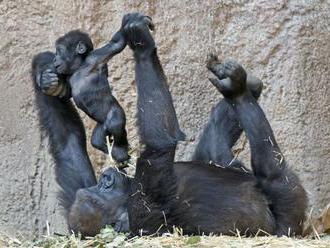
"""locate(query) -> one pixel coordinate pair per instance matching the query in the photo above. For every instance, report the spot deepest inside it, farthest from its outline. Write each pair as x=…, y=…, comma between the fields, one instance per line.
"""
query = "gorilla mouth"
x=106, y=185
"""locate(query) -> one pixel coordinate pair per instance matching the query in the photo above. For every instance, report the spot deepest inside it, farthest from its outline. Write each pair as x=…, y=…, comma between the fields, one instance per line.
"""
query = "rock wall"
x=285, y=43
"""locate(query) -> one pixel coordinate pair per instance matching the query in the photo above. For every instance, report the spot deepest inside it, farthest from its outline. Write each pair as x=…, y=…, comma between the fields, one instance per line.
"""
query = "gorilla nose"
x=56, y=62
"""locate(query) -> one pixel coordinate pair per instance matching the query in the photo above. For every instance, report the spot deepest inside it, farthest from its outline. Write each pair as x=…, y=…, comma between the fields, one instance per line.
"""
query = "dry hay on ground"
x=109, y=238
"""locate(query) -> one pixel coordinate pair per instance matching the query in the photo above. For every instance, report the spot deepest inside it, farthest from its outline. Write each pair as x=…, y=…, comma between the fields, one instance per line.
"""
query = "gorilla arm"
x=102, y=55
x=62, y=124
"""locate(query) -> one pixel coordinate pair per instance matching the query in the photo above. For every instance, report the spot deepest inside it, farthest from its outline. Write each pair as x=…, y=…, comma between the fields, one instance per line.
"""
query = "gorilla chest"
x=82, y=84
x=86, y=89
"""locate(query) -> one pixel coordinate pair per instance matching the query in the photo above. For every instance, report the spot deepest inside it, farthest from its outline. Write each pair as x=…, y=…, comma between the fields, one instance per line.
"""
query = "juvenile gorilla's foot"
x=120, y=153
x=99, y=144
x=98, y=139
x=136, y=28
x=231, y=77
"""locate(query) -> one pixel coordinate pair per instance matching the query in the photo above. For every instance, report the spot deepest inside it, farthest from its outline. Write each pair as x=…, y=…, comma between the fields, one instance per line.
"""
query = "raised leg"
x=222, y=130
x=154, y=186
x=280, y=185
x=219, y=135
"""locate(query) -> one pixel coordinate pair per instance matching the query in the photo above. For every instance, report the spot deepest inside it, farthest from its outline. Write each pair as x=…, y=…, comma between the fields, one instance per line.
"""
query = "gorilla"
x=84, y=76
x=213, y=193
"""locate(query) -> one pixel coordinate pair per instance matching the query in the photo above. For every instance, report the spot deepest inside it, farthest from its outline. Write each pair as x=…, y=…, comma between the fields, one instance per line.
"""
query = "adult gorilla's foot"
x=253, y=83
x=136, y=27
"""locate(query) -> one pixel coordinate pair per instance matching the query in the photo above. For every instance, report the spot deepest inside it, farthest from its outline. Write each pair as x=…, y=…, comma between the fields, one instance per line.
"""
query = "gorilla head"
x=101, y=205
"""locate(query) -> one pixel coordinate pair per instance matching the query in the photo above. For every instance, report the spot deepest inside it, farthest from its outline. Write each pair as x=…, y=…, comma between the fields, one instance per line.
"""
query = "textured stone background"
x=286, y=43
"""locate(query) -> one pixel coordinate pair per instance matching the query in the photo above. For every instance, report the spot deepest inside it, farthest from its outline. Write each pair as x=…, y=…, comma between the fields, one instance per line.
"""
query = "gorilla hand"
x=50, y=84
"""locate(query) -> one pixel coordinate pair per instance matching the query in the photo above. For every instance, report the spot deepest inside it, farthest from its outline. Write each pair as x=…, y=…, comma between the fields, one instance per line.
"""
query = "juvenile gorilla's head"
x=101, y=205
x=71, y=50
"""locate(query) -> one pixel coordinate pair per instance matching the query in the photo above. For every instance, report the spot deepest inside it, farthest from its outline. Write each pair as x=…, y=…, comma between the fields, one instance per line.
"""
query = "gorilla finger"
x=52, y=74
x=49, y=83
x=228, y=65
x=233, y=65
x=138, y=16
x=235, y=68
x=134, y=17
x=217, y=70
x=231, y=68
x=53, y=83
x=220, y=73
x=216, y=82
x=148, y=21
x=125, y=20
x=50, y=78
x=212, y=59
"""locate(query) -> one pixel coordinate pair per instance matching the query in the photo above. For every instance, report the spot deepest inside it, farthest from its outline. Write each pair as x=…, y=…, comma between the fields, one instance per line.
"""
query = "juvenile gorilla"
x=86, y=74
x=195, y=196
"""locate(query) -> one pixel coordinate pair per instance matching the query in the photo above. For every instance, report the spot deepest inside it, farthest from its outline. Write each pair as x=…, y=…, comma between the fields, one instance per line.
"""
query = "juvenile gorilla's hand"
x=49, y=83
x=136, y=28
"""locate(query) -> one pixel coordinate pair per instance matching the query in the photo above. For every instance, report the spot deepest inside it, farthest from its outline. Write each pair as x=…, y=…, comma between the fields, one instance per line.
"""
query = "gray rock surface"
x=285, y=43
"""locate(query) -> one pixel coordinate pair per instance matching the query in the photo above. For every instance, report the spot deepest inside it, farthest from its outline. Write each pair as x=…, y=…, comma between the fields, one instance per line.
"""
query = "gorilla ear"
x=81, y=48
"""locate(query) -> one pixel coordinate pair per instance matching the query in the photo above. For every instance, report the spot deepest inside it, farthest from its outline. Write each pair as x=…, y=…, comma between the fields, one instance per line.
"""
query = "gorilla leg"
x=99, y=138
x=223, y=130
x=282, y=187
x=115, y=126
x=154, y=186
x=219, y=135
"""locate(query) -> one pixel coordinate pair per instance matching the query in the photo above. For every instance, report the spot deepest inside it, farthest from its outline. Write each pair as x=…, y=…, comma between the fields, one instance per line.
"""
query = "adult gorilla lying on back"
x=195, y=196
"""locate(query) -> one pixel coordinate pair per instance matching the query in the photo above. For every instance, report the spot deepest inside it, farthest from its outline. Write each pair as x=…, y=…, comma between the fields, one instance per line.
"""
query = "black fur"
x=223, y=130
x=90, y=88
x=72, y=38
x=196, y=196
x=218, y=201
x=62, y=124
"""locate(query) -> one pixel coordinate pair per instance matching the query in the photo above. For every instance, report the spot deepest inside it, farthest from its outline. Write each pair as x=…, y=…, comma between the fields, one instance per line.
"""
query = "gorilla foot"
x=119, y=153
x=232, y=76
x=137, y=28
x=99, y=144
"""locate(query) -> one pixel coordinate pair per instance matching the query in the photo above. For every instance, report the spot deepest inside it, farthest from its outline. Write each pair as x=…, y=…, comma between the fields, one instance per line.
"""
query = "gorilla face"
x=101, y=205
x=66, y=60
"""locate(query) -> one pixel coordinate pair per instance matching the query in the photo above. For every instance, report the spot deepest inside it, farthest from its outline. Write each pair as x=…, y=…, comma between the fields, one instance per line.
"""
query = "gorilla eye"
x=60, y=50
